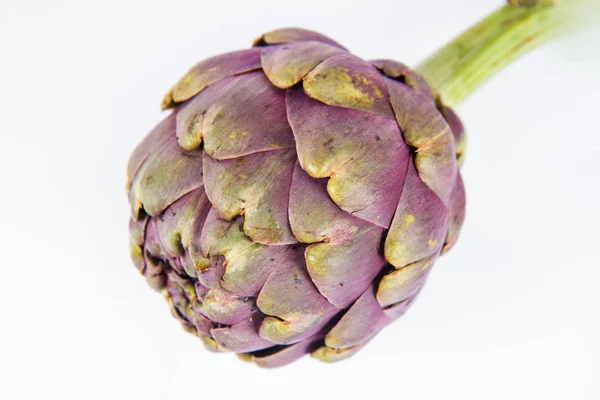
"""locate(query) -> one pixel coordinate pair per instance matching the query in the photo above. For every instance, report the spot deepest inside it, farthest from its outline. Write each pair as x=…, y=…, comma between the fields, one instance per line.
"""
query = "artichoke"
x=296, y=197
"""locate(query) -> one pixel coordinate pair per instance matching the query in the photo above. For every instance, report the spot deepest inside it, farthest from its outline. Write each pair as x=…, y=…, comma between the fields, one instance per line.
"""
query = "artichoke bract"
x=296, y=197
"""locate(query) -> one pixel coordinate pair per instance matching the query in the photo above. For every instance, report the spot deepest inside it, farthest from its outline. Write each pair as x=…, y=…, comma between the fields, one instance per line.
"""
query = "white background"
x=510, y=313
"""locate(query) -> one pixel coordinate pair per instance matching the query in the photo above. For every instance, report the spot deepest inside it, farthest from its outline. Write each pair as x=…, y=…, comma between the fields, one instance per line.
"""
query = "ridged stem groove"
x=462, y=65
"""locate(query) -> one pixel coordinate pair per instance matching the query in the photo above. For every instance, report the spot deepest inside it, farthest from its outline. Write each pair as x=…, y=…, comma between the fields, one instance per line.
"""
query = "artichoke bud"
x=296, y=197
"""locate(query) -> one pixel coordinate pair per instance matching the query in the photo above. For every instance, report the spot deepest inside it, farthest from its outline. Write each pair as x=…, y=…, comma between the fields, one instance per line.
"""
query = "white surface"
x=511, y=312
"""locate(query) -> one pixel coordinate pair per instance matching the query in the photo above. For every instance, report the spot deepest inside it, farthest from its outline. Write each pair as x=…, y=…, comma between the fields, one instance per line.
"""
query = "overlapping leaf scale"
x=155, y=138
x=345, y=255
x=167, y=173
x=247, y=264
x=420, y=223
x=399, y=309
x=431, y=194
x=225, y=307
x=295, y=308
x=155, y=257
x=190, y=127
x=290, y=35
x=229, y=130
x=199, y=308
x=403, y=73
x=457, y=213
x=281, y=355
x=329, y=354
x=210, y=71
x=242, y=337
x=360, y=323
x=178, y=225
x=425, y=129
x=287, y=64
x=137, y=232
x=362, y=153
x=345, y=80
x=183, y=303
x=458, y=131
x=404, y=283
x=256, y=186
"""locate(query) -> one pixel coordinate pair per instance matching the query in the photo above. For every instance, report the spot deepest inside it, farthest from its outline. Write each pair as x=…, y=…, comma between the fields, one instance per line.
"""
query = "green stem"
x=461, y=66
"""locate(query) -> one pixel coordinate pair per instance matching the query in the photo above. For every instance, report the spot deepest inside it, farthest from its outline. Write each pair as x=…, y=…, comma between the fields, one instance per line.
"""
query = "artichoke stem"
x=462, y=65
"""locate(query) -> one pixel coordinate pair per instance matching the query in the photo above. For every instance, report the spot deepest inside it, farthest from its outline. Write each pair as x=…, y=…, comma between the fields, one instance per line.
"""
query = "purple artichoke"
x=295, y=198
